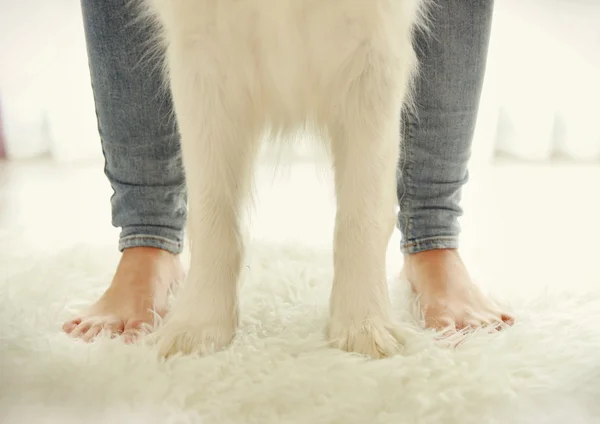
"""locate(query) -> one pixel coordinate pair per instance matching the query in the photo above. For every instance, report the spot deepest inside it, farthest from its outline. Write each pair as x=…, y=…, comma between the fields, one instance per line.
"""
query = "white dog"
x=238, y=68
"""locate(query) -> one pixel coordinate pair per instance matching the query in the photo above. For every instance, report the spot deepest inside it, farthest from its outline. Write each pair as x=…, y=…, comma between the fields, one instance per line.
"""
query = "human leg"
x=143, y=165
x=433, y=165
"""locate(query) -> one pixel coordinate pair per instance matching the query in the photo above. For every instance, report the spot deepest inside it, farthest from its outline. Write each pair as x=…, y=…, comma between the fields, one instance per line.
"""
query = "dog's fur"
x=239, y=67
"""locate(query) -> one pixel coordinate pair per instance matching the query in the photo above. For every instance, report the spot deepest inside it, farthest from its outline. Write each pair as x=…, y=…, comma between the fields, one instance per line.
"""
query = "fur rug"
x=543, y=370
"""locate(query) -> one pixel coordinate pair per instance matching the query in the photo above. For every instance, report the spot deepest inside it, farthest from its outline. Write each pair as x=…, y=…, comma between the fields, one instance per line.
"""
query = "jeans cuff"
x=160, y=238
x=430, y=243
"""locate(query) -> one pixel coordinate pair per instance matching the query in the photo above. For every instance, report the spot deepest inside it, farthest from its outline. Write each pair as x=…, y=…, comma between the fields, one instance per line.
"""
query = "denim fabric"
x=437, y=134
x=141, y=145
x=135, y=120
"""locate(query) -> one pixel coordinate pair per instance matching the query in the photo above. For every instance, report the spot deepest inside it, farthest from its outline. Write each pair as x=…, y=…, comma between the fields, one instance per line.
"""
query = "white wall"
x=45, y=91
x=545, y=56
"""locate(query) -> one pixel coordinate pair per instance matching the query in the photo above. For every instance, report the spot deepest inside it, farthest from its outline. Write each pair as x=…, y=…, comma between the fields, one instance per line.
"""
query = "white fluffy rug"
x=543, y=370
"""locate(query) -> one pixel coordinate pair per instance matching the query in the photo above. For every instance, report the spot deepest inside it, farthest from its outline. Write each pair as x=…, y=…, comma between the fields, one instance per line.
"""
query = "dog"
x=239, y=68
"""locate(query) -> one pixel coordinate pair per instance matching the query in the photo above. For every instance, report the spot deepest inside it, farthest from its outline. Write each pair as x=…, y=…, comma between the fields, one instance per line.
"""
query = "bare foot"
x=138, y=290
x=447, y=295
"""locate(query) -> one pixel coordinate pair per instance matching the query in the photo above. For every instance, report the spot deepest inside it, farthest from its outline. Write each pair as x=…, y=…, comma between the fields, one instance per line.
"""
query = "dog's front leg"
x=365, y=145
x=218, y=147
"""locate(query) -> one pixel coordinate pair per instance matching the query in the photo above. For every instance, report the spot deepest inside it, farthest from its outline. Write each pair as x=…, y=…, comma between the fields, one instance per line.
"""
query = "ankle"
x=416, y=263
x=148, y=252
x=140, y=266
x=431, y=255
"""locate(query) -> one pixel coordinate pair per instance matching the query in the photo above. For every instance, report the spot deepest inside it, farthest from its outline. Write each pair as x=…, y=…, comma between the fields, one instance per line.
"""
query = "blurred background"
x=540, y=101
x=535, y=168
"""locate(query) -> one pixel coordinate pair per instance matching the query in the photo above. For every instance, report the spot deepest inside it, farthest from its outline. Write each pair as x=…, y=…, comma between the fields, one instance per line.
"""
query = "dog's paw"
x=377, y=338
x=186, y=337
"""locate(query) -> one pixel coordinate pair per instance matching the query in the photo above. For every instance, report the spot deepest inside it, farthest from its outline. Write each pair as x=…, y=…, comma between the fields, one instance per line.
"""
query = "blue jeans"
x=141, y=145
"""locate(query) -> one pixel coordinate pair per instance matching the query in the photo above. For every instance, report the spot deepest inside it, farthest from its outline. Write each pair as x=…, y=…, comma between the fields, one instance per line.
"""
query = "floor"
x=530, y=235
x=523, y=222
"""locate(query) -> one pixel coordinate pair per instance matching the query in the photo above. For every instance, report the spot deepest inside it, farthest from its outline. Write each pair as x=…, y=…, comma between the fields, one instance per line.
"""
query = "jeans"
x=141, y=146
x=437, y=135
